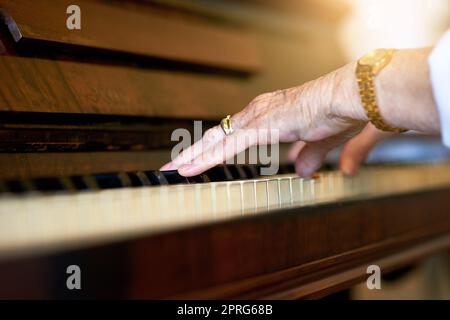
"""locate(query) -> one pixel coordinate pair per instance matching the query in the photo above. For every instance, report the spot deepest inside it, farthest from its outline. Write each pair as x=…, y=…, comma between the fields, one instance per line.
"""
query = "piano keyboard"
x=132, y=179
x=42, y=222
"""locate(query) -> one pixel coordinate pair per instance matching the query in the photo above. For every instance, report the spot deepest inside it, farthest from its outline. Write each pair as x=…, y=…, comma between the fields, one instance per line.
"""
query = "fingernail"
x=167, y=167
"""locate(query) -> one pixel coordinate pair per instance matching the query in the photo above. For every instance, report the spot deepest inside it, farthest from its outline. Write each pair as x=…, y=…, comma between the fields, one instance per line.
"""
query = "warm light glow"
x=393, y=24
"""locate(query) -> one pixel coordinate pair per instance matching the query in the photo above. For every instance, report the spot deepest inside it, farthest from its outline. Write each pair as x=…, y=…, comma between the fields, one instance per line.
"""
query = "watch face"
x=373, y=57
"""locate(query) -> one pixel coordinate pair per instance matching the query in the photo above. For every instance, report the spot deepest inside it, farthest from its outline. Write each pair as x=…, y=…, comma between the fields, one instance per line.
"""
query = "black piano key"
x=328, y=167
x=79, y=182
x=205, y=178
x=173, y=177
x=135, y=179
x=49, y=184
x=202, y=178
x=3, y=187
x=251, y=171
x=291, y=168
x=166, y=177
x=108, y=181
x=154, y=178
x=281, y=169
x=219, y=173
x=143, y=179
x=15, y=186
x=236, y=172
x=258, y=168
x=245, y=173
x=286, y=168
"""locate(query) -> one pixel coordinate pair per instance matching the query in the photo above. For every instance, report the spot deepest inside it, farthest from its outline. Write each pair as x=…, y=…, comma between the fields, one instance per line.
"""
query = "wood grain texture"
x=143, y=33
x=318, y=248
x=42, y=85
x=312, y=280
x=34, y=165
x=81, y=85
x=61, y=132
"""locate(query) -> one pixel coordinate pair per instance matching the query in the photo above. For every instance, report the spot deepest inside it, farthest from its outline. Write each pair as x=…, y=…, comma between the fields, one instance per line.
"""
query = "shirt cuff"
x=439, y=65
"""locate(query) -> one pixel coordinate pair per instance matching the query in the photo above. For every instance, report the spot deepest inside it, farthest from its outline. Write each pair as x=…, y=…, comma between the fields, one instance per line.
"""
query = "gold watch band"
x=366, y=70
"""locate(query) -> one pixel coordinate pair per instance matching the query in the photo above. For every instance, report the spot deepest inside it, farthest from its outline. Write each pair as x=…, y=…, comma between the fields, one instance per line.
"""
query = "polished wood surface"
x=59, y=164
x=78, y=78
x=39, y=132
x=146, y=32
x=38, y=85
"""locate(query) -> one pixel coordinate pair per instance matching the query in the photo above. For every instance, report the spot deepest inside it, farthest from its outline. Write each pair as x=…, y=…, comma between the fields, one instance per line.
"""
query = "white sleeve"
x=439, y=64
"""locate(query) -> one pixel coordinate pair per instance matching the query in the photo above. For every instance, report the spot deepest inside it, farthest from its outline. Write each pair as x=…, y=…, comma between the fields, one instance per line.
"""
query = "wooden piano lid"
x=145, y=32
x=140, y=61
x=155, y=59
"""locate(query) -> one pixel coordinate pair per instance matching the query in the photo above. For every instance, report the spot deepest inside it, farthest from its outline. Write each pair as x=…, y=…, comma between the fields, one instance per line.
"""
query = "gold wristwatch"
x=367, y=68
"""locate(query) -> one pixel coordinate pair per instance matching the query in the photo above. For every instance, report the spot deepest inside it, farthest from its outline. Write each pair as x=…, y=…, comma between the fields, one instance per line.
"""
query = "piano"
x=86, y=117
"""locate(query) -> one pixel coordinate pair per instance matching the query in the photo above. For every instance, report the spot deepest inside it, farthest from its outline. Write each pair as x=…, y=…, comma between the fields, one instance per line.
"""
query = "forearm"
x=403, y=90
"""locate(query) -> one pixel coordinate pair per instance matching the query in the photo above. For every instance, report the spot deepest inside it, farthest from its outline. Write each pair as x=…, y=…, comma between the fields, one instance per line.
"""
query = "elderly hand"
x=322, y=114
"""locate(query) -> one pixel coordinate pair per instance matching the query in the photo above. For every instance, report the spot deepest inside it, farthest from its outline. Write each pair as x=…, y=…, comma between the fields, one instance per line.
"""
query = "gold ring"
x=225, y=124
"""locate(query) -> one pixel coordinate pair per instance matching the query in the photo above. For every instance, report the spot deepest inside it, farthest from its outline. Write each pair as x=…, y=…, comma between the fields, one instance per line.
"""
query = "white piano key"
x=248, y=196
x=291, y=195
x=206, y=206
x=213, y=199
x=284, y=192
x=261, y=196
x=190, y=199
x=236, y=205
x=273, y=193
x=198, y=201
x=32, y=222
x=308, y=191
x=222, y=200
x=319, y=188
x=297, y=190
x=166, y=205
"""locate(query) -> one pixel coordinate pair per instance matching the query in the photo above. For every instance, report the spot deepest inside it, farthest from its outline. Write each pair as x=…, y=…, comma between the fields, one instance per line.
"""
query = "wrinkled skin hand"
x=321, y=114
x=354, y=152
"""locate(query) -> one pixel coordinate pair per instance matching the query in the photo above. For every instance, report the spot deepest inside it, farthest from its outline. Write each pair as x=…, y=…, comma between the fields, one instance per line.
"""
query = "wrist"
x=346, y=102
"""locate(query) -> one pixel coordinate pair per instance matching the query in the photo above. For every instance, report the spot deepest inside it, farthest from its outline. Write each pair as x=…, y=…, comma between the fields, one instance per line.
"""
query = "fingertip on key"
x=189, y=170
x=168, y=166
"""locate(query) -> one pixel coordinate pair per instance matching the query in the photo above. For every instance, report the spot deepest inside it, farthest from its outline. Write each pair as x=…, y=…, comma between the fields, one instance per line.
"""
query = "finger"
x=312, y=155
x=356, y=150
x=221, y=152
x=354, y=153
x=295, y=150
x=310, y=159
x=210, y=138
